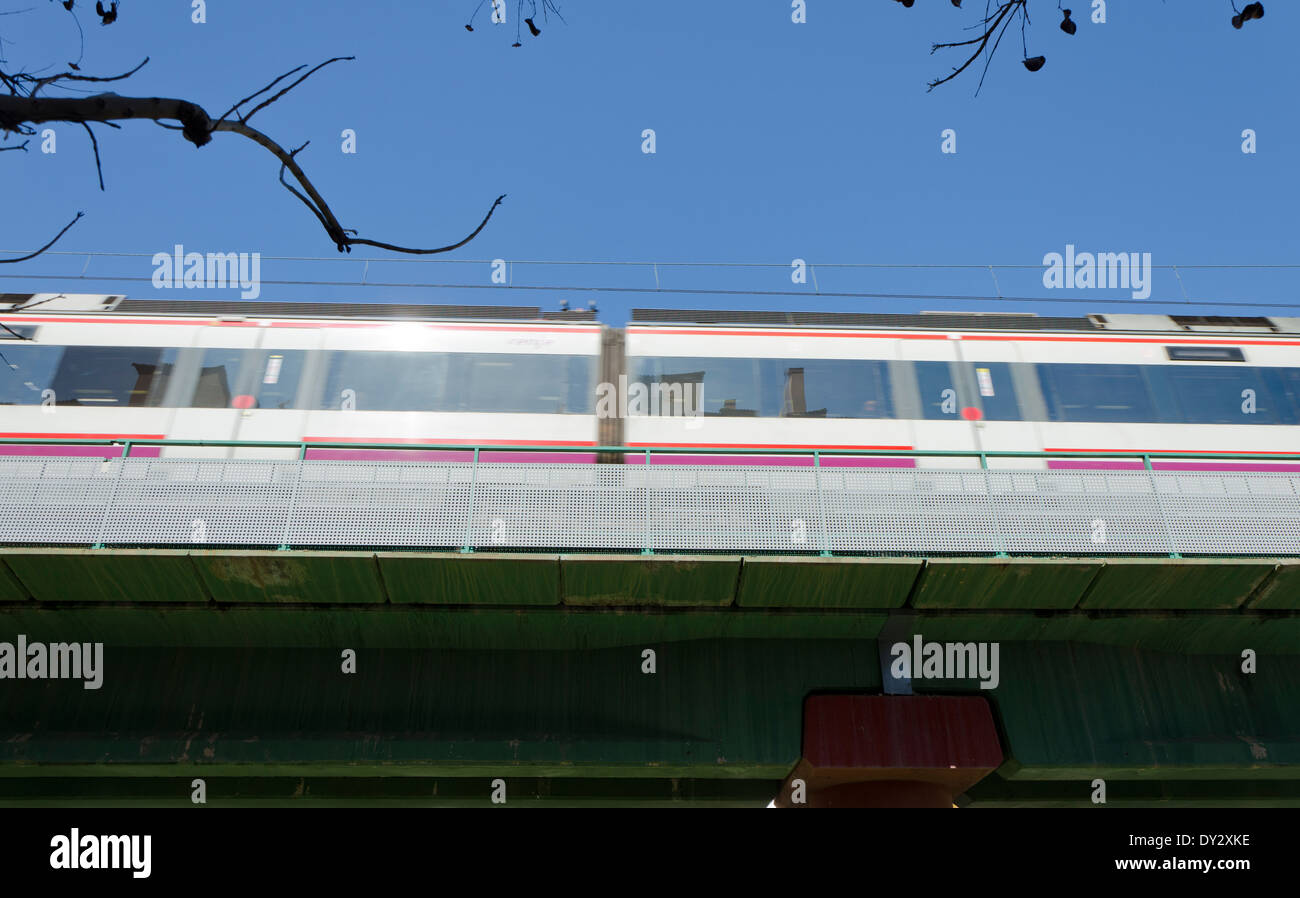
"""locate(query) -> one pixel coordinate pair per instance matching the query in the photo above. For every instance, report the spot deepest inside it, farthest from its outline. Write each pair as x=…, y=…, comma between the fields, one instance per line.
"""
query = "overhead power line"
x=702, y=291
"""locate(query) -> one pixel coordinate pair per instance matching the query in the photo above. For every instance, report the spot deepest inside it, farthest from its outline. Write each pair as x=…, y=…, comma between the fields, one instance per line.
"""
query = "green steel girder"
x=374, y=791
x=1005, y=583
x=268, y=577
x=1185, y=583
x=776, y=582
x=664, y=580
x=225, y=663
x=1281, y=592
x=996, y=792
x=713, y=708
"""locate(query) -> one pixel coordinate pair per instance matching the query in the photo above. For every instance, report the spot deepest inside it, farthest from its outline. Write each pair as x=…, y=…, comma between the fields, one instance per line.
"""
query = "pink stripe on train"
x=1165, y=465
x=79, y=451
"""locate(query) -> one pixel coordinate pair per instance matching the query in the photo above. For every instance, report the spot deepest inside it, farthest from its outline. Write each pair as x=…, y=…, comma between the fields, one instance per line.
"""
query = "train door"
x=946, y=401
x=271, y=397
x=204, y=396
x=1001, y=396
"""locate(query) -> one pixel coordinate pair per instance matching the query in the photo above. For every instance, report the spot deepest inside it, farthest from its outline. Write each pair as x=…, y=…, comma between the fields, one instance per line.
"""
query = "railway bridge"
x=983, y=632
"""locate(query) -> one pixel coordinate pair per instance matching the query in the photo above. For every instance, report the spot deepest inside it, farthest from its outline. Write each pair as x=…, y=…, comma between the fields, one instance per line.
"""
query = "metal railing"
x=815, y=508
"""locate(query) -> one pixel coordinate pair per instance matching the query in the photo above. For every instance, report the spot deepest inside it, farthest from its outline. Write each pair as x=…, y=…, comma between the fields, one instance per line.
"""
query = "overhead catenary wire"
x=707, y=291
x=346, y=259
x=653, y=268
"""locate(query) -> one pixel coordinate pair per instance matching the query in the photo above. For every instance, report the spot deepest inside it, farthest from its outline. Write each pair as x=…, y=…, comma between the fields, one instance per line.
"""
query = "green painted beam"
x=1071, y=711
x=287, y=578
x=803, y=582
x=1180, y=632
x=107, y=575
x=711, y=708
x=996, y=792
x=411, y=626
x=1010, y=583
x=416, y=627
x=406, y=791
x=671, y=580
x=478, y=578
x=10, y=589
x=1176, y=584
x=1281, y=592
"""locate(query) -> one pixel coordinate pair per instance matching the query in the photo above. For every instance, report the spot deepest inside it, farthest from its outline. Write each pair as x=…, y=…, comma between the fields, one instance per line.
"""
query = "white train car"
x=107, y=368
x=1117, y=384
x=134, y=371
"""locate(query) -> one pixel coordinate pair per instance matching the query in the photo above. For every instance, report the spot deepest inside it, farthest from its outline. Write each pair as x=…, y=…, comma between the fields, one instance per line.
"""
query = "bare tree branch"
x=16, y=112
x=94, y=144
x=441, y=249
x=266, y=103
x=46, y=246
x=341, y=236
x=72, y=76
x=1002, y=16
x=23, y=109
x=263, y=90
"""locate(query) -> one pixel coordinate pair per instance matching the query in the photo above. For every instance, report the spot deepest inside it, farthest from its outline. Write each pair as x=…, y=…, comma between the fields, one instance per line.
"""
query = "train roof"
x=932, y=321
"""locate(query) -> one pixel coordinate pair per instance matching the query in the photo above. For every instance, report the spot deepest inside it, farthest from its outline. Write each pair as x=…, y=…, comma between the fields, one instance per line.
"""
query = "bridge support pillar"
x=891, y=751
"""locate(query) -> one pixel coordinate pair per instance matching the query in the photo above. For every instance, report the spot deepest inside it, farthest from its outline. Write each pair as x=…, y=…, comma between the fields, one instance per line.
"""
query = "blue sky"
x=774, y=141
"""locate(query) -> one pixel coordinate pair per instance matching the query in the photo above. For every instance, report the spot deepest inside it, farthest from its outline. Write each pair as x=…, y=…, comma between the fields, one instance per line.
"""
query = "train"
x=773, y=384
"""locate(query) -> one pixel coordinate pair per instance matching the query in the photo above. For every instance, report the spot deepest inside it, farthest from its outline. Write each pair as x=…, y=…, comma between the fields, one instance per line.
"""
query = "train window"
x=218, y=377
x=938, y=392
x=827, y=388
x=777, y=388
x=385, y=381
x=1205, y=354
x=1284, y=384
x=277, y=378
x=1211, y=395
x=997, y=394
x=514, y=382
x=1103, y=393
x=27, y=372
x=113, y=376
x=459, y=382
x=728, y=387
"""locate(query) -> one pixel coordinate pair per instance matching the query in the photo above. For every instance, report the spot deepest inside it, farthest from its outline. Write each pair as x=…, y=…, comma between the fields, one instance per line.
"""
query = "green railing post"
x=103, y=520
x=999, y=543
x=821, y=512
x=645, y=540
x=1155, y=494
x=466, y=547
x=293, y=506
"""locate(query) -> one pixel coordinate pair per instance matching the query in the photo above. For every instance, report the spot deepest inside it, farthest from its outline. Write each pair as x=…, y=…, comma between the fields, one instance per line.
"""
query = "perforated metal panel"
x=1231, y=513
x=721, y=508
x=55, y=500
x=742, y=508
x=200, y=501
x=344, y=503
x=558, y=506
x=1078, y=512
